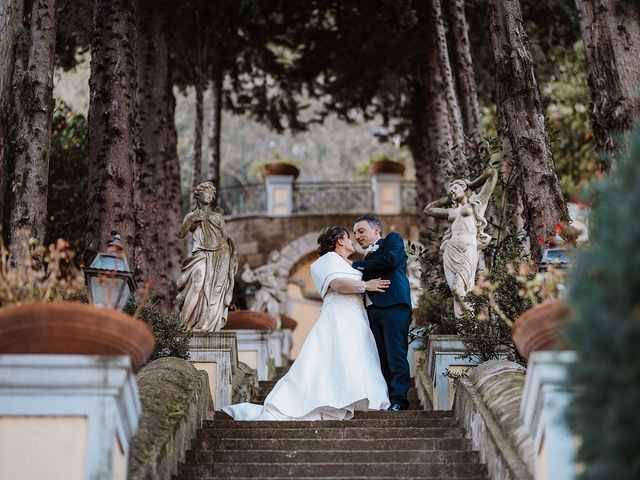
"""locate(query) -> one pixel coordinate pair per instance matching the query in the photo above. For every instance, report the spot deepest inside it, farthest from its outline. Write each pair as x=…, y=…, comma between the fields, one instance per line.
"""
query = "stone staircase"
x=414, y=444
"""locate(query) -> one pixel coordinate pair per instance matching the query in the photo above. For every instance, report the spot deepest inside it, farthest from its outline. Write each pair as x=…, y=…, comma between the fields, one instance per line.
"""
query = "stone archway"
x=297, y=304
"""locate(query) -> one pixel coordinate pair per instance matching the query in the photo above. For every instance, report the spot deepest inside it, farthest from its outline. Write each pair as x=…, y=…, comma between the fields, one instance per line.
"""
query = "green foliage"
x=567, y=105
x=605, y=293
x=171, y=339
x=483, y=331
x=66, y=201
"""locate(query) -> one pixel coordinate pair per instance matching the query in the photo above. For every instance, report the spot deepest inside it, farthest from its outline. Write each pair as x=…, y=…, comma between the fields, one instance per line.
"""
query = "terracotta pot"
x=288, y=322
x=280, y=169
x=541, y=328
x=249, y=320
x=74, y=328
x=386, y=166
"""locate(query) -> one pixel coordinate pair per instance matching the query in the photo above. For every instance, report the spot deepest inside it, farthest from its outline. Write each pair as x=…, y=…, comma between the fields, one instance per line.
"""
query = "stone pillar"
x=387, y=194
x=276, y=340
x=279, y=195
x=444, y=354
x=67, y=417
x=287, y=343
x=547, y=395
x=254, y=350
x=217, y=354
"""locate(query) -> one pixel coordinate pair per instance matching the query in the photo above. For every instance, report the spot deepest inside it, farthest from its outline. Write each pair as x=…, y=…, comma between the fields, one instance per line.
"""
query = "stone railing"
x=487, y=403
x=175, y=401
x=388, y=196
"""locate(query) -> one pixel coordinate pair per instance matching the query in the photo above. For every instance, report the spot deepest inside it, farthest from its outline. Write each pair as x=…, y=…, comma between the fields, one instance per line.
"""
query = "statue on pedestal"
x=268, y=297
x=205, y=287
x=465, y=238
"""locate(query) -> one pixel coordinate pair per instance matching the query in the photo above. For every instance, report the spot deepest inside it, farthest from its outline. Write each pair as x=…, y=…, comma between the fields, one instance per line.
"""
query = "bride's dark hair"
x=328, y=238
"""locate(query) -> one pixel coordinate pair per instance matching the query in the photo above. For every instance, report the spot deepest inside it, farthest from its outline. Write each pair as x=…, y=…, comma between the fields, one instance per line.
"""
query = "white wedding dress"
x=337, y=370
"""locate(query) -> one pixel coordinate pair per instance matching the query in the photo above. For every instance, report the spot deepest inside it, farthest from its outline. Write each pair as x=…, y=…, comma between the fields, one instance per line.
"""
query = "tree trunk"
x=173, y=205
x=519, y=105
x=33, y=87
x=197, y=136
x=463, y=70
x=112, y=137
x=150, y=187
x=215, y=124
x=431, y=137
x=11, y=17
x=611, y=35
x=453, y=107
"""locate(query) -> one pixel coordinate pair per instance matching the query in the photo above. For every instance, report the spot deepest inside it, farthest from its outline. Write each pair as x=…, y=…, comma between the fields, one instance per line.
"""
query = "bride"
x=338, y=369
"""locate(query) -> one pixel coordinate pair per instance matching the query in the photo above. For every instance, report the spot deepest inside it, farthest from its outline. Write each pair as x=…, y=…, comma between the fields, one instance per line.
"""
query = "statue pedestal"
x=443, y=354
x=217, y=354
x=276, y=350
x=287, y=344
x=67, y=416
x=254, y=350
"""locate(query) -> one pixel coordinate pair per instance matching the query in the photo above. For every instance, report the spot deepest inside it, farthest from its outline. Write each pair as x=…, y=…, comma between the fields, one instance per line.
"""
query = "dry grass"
x=34, y=273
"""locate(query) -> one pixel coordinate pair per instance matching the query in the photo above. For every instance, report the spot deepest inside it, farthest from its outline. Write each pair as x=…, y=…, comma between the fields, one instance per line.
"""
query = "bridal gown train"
x=337, y=370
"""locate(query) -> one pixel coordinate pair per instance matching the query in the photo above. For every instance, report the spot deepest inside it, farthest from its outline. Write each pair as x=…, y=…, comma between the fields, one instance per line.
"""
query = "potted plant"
x=385, y=164
x=250, y=320
x=37, y=318
x=279, y=166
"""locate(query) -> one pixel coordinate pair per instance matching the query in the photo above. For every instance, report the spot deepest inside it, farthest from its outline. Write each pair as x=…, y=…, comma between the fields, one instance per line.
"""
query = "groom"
x=389, y=312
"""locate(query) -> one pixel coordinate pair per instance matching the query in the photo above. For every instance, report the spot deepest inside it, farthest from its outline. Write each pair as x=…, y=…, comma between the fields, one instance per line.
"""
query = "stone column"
x=67, y=416
x=444, y=354
x=547, y=395
x=254, y=350
x=217, y=354
x=279, y=195
x=387, y=194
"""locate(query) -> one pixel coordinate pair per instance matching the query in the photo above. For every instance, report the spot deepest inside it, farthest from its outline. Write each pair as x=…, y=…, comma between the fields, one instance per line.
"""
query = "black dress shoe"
x=395, y=407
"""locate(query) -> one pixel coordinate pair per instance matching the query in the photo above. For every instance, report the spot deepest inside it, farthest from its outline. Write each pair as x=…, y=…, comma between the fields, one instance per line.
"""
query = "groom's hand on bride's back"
x=377, y=285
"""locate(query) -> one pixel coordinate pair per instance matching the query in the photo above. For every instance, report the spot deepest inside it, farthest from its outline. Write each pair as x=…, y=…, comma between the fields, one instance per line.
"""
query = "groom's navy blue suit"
x=390, y=312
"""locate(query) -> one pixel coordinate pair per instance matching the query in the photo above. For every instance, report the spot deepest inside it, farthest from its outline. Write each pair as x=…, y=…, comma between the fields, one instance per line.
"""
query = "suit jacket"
x=390, y=263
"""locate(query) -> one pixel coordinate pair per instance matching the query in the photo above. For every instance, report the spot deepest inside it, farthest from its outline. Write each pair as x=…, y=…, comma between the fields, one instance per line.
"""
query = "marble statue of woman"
x=205, y=286
x=465, y=238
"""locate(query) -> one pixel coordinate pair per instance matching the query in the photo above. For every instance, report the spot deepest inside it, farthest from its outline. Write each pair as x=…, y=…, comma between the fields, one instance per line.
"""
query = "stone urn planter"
x=279, y=168
x=386, y=166
x=250, y=320
x=541, y=328
x=288, y=322
x=74, y=329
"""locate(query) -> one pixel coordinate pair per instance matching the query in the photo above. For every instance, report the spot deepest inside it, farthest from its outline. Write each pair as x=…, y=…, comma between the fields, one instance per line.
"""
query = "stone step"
x=314, y=477
x=261, y=396
x=307, y=444
x=334, y=456
x=356, y=422
x=378, y=414
x=331, y=433
x=336, y=470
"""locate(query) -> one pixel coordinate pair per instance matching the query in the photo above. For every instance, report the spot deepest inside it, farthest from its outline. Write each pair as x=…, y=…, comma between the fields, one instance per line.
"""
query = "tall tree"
x=173, y=197
x=522, y=116
x=446, y=73
x=153, y=109
x=33, y=87
x=611, y=35
x=463, y=69
x=215, y=127
x=11, y=18
x=112, y=138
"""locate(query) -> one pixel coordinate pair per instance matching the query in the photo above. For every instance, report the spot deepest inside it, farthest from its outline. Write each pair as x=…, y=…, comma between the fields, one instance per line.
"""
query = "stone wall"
x=175, y=400
x=258, y=235
x=487, y=403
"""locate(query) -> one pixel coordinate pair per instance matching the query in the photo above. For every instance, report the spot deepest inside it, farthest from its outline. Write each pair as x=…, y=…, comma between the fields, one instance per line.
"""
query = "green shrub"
x=172, y=340
x=605, y=293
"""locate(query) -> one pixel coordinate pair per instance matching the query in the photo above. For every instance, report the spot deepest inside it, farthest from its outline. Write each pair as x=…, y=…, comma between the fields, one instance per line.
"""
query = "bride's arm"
x=346, y=285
